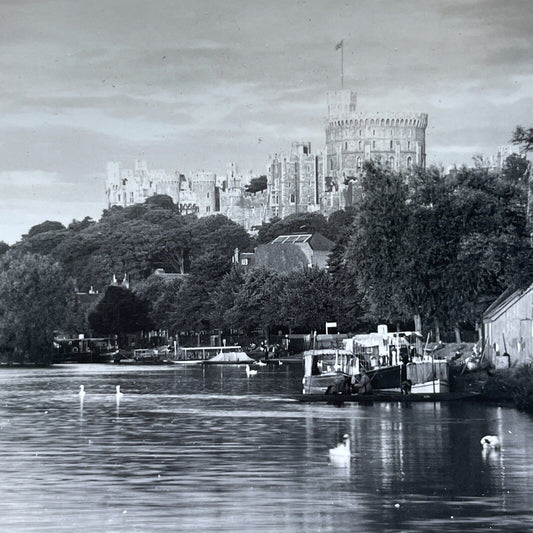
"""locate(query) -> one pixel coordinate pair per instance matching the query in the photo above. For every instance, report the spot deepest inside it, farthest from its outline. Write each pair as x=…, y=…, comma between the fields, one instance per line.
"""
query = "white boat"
x=430, y=376
x=211, y=355
x=327, y=367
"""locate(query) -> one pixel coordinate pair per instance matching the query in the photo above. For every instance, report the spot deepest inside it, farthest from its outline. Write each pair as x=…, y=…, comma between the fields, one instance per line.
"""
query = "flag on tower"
x=339, y=45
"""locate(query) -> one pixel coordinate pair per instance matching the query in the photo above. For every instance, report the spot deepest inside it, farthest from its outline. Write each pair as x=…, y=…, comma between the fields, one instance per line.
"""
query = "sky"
x=193, y=85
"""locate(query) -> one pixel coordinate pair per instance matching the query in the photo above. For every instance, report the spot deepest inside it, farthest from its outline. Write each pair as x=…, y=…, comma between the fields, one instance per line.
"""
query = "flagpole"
x=342, y=65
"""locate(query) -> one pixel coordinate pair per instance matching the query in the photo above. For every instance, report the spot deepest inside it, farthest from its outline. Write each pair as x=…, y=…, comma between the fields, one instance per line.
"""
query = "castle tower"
x=397, y=138
x=204, y=189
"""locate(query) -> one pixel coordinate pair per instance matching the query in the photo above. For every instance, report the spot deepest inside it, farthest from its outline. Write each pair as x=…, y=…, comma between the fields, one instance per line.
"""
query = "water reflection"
x=208, y=449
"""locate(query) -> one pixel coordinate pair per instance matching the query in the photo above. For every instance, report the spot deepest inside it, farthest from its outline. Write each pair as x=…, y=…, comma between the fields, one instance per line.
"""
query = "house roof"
x=504, y=302
x=316, y=241
x=292, y=239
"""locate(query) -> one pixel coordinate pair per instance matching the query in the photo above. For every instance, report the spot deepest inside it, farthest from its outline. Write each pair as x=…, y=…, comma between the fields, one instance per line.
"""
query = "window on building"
x=208, y=209
x=131, y=197
x=373, y=144
x=408, y=145
x=360, y=145
x=359, y=163
x=409, y=162
x=208, y=194
x=373, y=132
x=360, y=133
x=391, y=161
x=244, y=261
x=293, y=199
x=391, y=145
x=346, y=146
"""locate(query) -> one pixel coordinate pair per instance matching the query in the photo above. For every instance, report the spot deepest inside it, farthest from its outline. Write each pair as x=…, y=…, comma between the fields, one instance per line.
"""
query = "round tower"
x=398, y=139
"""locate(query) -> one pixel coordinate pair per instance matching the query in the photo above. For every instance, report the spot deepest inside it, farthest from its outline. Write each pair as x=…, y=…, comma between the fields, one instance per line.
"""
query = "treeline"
x=425, y=247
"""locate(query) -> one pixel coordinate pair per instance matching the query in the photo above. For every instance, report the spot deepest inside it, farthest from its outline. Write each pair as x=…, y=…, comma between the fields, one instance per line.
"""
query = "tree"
x=34, y=297
x=4, y=247
x=524, y=137
x=295, y=223
x=309, y=300
x=256, y=185
x=43, y=227
x=515, y=168
x=120, y=311
x=258, y=303
x=375, y=251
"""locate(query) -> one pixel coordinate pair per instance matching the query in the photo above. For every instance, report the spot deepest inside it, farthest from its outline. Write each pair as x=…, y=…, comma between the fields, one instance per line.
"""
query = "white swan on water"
x=490, y=442
x=342, y=450
x=81, y=394
x=118, y=394
x=250, y=372
x=340, y=456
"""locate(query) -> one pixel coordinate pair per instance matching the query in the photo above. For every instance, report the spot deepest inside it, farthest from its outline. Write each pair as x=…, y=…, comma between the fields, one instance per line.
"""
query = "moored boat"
x=211, y=355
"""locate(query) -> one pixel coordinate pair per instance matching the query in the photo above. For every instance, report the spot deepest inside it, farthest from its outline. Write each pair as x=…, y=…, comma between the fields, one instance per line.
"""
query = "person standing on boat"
x=362, y=385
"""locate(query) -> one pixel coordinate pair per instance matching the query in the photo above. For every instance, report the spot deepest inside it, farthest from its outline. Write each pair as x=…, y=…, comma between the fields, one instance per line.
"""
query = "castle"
x=297, y=181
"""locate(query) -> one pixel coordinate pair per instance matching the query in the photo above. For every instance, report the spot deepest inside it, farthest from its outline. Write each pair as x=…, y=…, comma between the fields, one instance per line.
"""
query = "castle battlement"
x=359, y=119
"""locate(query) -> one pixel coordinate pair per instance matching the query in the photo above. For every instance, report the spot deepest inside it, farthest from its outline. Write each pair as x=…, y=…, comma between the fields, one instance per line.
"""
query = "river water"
x=209, y=449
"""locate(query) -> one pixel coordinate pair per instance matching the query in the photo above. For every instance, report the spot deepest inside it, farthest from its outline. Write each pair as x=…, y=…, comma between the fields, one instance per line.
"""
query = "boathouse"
x=508, y=328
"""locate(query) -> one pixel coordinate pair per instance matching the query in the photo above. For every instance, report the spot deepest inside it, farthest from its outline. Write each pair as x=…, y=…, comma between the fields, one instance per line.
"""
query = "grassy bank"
x=511, y=384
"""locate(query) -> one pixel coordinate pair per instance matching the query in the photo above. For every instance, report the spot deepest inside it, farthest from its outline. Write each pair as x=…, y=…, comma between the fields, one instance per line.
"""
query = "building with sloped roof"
x=508, y=326
x=287, y=253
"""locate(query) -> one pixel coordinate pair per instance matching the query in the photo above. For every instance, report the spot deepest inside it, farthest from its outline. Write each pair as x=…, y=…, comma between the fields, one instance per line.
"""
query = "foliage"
x=43, y=227
x=515, y=168
x=514, y=384
x=296, y=223
x=441, y=248
x=308, y=300
x=523, y=137
x=257, y=303
x=34, y=299
x=120, y=311
x=4, y=247
x=256, y=185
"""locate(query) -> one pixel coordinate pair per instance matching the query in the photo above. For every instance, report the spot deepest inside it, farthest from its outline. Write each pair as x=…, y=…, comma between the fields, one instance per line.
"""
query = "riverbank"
x=511, y=385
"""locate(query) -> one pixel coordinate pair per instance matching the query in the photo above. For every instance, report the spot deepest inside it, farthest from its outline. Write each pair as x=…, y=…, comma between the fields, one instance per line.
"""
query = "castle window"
x=360, y=145
x=207, y=209
x=373, y=132
x=409, y=162
x=292, y=198
x=391, y=143
x=360, y=133
x=346, y=146
x=359, y=163
x=373, y=144
x=391, y=161
x=408, y=145
x=208, y=194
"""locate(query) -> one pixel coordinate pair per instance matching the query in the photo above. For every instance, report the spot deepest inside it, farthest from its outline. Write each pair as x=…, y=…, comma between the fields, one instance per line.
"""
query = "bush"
x=512, y=384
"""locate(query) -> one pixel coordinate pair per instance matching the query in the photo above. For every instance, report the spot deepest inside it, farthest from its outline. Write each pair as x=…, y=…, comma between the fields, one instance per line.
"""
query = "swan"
x=342, y=450
x=259, y=363
x=250, y=372
x=118, y=394
x=81, y=394
x=490, y=442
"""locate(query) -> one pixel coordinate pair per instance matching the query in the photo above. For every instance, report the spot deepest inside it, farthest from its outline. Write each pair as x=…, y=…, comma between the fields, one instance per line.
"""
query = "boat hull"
x=385, y=397
x=386, y=377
